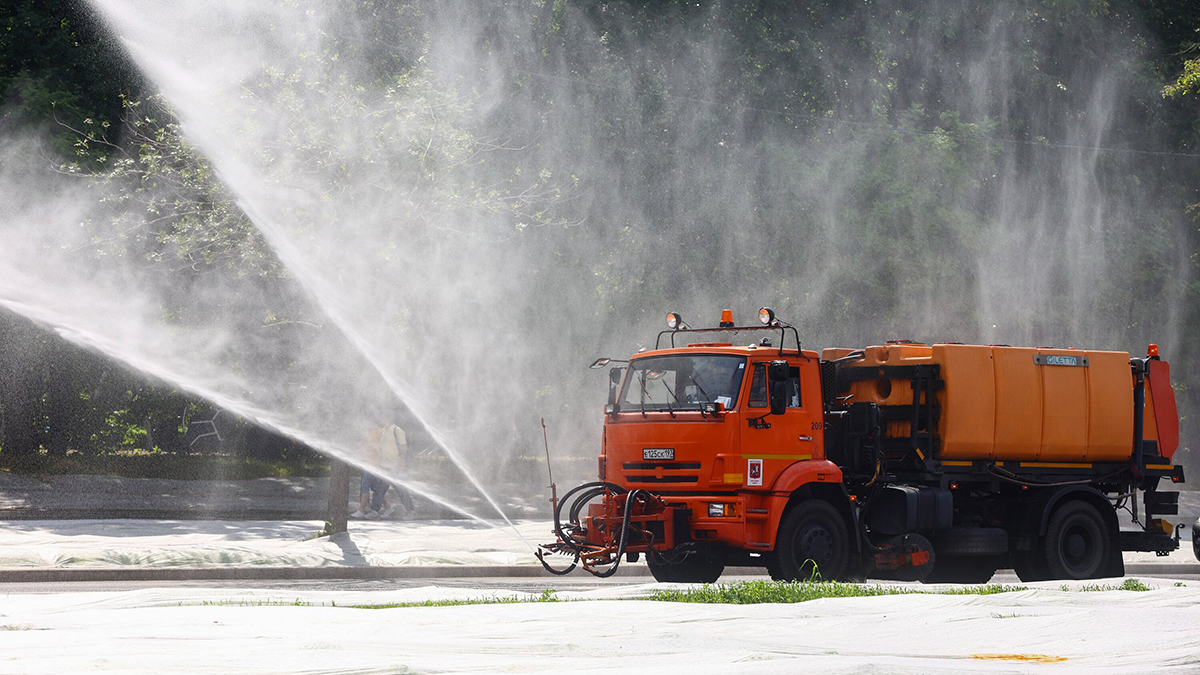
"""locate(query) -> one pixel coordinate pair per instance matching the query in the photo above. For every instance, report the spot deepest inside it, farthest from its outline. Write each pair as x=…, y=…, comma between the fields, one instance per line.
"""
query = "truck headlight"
x=718, y=510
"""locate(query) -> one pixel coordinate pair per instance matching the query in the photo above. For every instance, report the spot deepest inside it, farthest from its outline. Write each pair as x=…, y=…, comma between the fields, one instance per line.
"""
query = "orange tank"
x=1009, y=403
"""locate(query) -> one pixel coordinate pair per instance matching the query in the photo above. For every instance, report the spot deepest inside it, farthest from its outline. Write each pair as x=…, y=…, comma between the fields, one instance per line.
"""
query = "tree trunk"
x=63, y=410
x=149, y=435
x=18, y=386
x=339, y=496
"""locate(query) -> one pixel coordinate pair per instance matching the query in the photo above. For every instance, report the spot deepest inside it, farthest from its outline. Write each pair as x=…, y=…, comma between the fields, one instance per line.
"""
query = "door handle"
x=805, y=438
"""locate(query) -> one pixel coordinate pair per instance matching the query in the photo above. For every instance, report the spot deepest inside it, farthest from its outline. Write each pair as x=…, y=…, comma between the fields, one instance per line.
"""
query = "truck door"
x=772, y=442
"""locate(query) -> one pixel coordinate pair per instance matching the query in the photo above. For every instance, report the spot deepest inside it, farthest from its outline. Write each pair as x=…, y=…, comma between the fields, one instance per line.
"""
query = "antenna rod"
x=553, y=487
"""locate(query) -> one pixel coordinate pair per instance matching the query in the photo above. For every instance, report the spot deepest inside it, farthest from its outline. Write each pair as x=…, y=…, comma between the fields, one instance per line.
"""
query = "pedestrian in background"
x=386, y=447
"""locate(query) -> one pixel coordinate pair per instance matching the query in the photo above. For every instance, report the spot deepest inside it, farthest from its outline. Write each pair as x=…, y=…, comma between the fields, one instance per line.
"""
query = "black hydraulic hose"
x=865, y=506
x=624, y=534
x=582, y=501
x=596, y=487
x=1139, y=413
x=1010, y=477
x=567, y=570
x=592, y=489
x=589, y=492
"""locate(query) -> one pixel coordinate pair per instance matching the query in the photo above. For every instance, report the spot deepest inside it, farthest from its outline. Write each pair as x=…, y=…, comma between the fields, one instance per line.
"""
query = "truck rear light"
x=720, y=510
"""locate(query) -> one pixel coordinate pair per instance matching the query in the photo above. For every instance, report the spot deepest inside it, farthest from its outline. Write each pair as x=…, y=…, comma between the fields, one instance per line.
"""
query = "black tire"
x=971, y=541
x=1196, y=538
x=773, y=568
x=696, y=568
x=967, y=569
x=1077, y=544
x=812, y=541
x=1030, y=565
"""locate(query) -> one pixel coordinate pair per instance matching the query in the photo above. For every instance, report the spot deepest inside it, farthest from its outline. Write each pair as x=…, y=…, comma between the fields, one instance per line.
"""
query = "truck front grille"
x=664, y=479
x=667, y=466
x=664, y=466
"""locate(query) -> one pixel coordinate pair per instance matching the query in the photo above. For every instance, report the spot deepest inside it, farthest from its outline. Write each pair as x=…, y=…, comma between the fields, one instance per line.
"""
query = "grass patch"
x=755, y=592
x=1127, y=585
x=986, y=589
x=250, y=603
x=737, y=593
x=546, y=596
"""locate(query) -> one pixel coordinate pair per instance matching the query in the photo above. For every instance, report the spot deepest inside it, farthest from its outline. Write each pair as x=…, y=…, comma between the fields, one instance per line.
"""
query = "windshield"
x=682, y=382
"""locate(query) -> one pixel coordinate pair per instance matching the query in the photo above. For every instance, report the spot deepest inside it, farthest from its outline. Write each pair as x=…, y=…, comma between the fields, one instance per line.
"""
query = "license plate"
x=658, y=453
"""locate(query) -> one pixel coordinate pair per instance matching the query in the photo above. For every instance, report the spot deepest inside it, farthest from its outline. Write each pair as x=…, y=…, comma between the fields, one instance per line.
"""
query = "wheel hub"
x=815, y=543
x=1078, y=547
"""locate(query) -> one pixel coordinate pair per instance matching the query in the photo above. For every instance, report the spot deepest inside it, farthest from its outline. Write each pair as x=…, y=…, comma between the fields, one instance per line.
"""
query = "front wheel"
x=813, y=543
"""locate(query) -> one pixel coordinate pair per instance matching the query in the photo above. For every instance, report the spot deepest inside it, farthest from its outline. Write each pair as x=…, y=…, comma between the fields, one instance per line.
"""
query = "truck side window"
x=793, y=388
x=758, y=387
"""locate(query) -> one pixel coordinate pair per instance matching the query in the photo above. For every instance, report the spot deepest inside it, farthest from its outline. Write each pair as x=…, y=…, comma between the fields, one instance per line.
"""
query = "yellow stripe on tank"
x=1054, y=465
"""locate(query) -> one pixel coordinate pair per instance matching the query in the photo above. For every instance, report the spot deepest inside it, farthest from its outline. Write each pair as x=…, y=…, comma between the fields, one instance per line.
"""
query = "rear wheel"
x=696, y=568
x=1077, y=542
x=1031, y=565
x=813, y=543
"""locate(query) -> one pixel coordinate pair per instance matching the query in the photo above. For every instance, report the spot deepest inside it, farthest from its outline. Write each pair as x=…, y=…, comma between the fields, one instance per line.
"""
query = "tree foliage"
x=824, y=129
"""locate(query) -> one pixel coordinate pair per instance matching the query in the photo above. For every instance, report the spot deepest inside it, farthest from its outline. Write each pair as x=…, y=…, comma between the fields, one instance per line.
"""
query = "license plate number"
x=658, y=453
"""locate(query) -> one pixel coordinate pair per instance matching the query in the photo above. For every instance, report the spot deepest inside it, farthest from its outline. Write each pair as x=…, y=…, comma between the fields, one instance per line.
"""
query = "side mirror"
x=777, y=377
x=614, y=383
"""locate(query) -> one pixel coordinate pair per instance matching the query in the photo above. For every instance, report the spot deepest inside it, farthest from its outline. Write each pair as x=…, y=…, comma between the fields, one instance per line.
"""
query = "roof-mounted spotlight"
x=675, y=322
x=767, y=316
x=599, y=363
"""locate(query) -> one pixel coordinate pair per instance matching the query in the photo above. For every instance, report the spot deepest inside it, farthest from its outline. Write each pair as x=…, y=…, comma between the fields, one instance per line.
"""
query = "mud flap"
x=1116, y=561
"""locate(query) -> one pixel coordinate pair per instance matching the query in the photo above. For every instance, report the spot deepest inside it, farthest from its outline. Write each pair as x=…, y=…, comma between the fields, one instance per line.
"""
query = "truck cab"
x=694, y=424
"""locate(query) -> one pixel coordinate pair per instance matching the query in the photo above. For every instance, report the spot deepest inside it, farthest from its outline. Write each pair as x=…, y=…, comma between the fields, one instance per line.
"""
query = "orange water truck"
x=934, y=462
